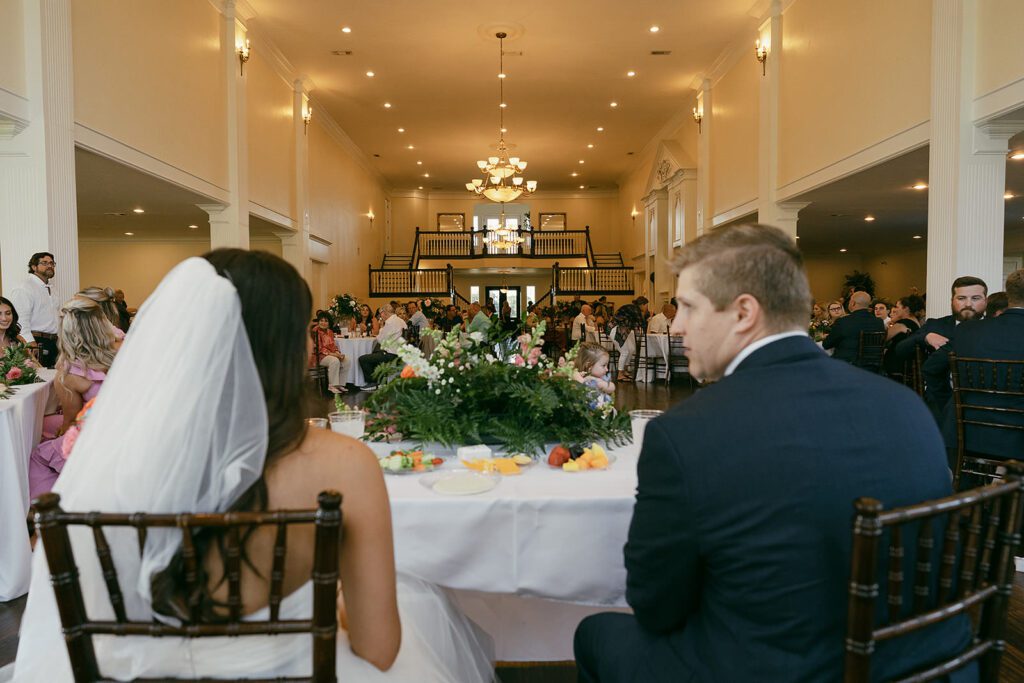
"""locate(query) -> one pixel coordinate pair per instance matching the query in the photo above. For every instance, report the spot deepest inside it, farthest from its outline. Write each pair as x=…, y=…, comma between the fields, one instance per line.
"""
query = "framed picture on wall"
x=551, y=221
x=451, y=222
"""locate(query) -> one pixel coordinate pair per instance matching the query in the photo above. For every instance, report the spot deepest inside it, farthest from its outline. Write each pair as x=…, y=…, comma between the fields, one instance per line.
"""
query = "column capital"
x=992, y=137
x=214, y=210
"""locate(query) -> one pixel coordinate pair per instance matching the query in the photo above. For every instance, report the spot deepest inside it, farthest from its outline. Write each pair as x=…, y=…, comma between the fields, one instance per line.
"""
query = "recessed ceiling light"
x=387, y=105
x=921, y=186
x=1018, y=155
x=631, y=73
x=401, y=130
x=614, y=104
x=590, y=146
x=574, y=174
x=842, y=250
x=370, y=74
x=346, y=29
x=582, y=187
x=600, y=129
x=410, y=147
x=504, y=130
x=426, y=175
x=138, y=211
x=193, y=226
x=917, y=237
x=129, y=233
x=869, y=219
x=501, y=75
x=654, y=29
x=582, y=162
x=419, y=163
x=502, y=105
x=1008, y=195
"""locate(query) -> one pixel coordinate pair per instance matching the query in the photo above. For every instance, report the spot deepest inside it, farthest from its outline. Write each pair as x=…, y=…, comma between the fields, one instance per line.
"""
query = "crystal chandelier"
x=503, y=180
x=503, y=237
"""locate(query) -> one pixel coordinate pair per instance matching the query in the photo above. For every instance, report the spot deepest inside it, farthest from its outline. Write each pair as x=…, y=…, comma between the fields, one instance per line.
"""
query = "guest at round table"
x=902, y=322
x=326, y=353
x=997, y=303
x=104, y=296
x=9, y=327
x=367, y=322
x=818, y=313
x=86, y=351
x=836, y=310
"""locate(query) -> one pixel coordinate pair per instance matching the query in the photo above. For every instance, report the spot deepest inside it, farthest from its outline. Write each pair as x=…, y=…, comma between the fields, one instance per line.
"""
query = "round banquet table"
x=353, y=348
x=526, y=560
x=21, y=421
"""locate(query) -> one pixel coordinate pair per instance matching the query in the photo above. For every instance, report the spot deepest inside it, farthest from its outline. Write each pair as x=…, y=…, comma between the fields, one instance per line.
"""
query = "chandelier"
x=503, y=237
x=502, y=180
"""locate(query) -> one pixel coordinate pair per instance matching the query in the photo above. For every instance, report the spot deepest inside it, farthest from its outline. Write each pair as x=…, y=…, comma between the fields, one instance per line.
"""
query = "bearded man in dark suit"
x=967, y=303
x=738, y=556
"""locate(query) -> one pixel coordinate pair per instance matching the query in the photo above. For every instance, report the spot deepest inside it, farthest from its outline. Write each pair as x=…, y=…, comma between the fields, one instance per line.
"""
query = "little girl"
x=592, y=371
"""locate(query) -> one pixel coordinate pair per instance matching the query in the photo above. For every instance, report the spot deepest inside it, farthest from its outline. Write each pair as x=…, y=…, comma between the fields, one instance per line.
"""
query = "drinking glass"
x=318, y=422
x=349, y=422
x=638, y=421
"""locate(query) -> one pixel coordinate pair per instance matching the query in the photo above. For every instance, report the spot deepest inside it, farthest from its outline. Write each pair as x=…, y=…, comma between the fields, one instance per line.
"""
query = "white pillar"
x=966, y=163
x=782, y=215
x=232, y=226
x=770, y=35
x=38, y=206
x=659, y=246
x=295, y=243
x=705, y=212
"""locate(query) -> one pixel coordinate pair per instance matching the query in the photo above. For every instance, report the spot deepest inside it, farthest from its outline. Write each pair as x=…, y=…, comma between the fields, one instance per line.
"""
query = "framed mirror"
x=551, y=221
x=451, y=222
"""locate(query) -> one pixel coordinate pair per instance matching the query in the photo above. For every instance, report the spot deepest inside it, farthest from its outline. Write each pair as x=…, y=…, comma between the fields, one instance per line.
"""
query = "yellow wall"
x=341, y=193
x=136, y=266
x=12, y=47
x=894, y=273
x=735, y=108
x=271, y=138
x=853, y=74
x=149, y=75
x=406, y=214
x=1000, y=49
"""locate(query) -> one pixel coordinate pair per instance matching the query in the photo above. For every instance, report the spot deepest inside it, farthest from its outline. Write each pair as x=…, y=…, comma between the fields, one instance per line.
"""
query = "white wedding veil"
x=179, y=426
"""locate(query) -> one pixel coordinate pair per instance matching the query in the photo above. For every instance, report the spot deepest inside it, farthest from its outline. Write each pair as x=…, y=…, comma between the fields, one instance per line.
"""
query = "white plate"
x=459, y=482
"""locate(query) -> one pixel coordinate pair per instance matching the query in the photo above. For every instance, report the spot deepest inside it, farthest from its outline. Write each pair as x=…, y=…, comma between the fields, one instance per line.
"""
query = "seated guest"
x=326, y=353
x=9, y=327
x=902, y=323
x=391, y=329
x=836, y=310
x=968, y=303
x=479, y=318
x=881, y=307
x=996, y=303
x=416, y=316
x=844, y=336
x=998, y=338
x=641, y=302
x=738, y=554
x=532, y=316
x=660, y=323
x=818, y=313
x=104, y=296
x=592, y=371
x=85, y=341
x=582, y=322
x=451, y=319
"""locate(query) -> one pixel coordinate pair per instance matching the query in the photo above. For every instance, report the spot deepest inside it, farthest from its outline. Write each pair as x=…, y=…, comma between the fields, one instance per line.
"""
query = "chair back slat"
x=52, y=524
x=109, y=573
x=895, y=597
x=991, y=515
x=277, y=571
x=923, y=565
x=870, y=346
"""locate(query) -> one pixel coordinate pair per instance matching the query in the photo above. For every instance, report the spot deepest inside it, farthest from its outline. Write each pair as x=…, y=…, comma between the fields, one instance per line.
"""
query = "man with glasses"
x=37, y=309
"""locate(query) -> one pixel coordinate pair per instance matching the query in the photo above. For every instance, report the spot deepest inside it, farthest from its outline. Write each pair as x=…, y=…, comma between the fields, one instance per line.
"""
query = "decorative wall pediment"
x=670, y=163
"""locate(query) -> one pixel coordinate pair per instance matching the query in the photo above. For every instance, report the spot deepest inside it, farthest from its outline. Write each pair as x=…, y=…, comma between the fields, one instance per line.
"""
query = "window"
x=531, y=294
x=474, y=293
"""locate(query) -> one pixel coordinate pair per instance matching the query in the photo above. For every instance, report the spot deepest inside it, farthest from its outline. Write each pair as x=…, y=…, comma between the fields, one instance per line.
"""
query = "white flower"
x=476, y=336
x=437, y=391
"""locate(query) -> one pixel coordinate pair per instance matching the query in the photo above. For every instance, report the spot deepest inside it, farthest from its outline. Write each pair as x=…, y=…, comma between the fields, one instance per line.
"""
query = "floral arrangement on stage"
x=343, y=307
x=497, y=389
x=432, y=308
x=16, y=367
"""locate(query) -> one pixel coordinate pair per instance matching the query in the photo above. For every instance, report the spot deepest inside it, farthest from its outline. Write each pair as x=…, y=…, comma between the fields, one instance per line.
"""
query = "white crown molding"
x=732, y=214
x=409, y=194
x=106, y=146
x=331, y=127
x=893, y=146
x=273, y=217
x=1000, y=101
x=14, y=114
x=540, y=194
x=147, y=240
x=263, y=45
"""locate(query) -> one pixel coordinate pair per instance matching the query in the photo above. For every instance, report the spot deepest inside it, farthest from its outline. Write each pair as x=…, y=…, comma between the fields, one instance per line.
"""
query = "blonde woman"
x=835, y=311
x=86, y=347
x=104, y=296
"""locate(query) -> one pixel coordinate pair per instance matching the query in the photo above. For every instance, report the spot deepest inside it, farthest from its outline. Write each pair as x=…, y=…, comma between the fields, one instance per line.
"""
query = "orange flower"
x=408, y=372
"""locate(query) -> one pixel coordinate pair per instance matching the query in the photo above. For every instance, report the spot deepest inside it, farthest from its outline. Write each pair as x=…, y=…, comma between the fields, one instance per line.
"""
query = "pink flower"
x=534, y=355
x=426, y=303
x=13, y=373
x=518, y=360
x=391, y=429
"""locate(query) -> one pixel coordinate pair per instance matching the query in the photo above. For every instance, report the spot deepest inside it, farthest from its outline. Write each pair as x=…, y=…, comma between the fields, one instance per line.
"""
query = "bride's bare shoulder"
x=324, y=460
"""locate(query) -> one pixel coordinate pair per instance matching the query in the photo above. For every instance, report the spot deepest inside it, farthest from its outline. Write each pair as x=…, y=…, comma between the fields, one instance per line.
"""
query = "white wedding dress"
x=181, y=425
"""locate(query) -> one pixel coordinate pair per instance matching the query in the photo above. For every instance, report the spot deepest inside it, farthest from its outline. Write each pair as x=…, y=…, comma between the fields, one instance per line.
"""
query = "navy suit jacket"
x=844, y=336
x=999, y=338
x=740, y=545
x=945, y=326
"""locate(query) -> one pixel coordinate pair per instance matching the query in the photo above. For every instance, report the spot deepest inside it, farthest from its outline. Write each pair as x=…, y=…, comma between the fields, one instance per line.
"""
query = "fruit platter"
x=409, y=462
x=509, y=466
x=593, y=457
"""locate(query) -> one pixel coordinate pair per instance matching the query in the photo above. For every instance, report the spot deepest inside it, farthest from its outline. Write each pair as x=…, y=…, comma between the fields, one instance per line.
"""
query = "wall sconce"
x=243, y=56
x=370, y=216
x=633, y=215
x=761, y=52
x=307, y=116
x=698, y=116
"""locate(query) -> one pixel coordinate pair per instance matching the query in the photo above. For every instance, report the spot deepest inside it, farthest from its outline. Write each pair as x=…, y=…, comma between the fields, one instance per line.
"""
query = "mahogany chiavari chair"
x=959, y=551
x=869, y=351
x=52, y=524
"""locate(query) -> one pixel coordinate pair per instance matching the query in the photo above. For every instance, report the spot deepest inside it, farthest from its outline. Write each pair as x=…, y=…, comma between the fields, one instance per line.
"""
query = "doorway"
x=499, y=295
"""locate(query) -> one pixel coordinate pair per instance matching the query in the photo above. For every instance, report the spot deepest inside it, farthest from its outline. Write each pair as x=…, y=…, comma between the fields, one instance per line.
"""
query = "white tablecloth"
x=21, y=421
x=544, y=534
x=353, y=348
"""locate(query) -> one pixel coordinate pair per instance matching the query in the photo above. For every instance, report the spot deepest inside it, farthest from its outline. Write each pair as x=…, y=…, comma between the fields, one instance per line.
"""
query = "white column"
x=966, y=163
x=782, y=215
x=295, y=244
x=770, y=35
x=38, y=206
x=705, y=210
x=659, y=246
x=232, y=224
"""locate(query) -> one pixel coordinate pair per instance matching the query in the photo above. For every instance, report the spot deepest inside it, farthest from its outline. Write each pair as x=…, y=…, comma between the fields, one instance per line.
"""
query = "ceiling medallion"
x=503, y=180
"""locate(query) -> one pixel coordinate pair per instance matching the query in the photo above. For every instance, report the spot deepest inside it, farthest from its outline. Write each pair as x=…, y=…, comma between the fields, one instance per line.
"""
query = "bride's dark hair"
x=276, y=305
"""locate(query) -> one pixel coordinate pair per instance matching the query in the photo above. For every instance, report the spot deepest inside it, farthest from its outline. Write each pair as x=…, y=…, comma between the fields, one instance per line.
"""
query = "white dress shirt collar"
x=760, y=343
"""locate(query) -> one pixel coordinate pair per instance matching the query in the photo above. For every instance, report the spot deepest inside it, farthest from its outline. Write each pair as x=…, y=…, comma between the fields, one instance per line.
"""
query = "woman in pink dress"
x=86, y=344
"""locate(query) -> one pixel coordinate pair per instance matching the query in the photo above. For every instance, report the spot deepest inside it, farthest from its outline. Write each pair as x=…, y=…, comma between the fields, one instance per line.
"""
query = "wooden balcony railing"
x=591, y=280
x=480, y=244
x=412, y=282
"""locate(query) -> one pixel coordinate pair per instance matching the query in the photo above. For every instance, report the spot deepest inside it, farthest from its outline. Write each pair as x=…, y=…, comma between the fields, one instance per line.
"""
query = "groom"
x=739, y=549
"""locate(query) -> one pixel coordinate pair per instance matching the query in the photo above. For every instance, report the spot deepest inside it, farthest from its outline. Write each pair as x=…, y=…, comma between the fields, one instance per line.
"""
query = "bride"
x=203, y=411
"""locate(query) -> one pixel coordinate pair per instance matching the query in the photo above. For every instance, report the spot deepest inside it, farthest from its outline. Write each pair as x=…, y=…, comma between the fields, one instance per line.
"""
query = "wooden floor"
x=628, y=397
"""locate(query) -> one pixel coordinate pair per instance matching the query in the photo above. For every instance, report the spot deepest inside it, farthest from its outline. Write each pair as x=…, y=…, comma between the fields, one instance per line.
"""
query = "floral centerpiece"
x=16, y=367
x=497, y=389
x=819, y=329
x=344, y=307
x=432, y=308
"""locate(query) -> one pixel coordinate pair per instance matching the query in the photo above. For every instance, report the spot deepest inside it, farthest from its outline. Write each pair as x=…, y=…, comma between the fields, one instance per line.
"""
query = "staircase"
x=608, y=260
x=396, y=262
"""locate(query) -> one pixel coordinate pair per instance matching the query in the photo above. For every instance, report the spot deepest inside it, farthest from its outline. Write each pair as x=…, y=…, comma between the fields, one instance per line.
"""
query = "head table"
x=526, y=560
x=21, y=421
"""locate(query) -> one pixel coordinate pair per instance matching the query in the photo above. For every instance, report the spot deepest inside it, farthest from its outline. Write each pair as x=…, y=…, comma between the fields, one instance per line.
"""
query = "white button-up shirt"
x=36, y=307
x=659, y=324
x=391, y=329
